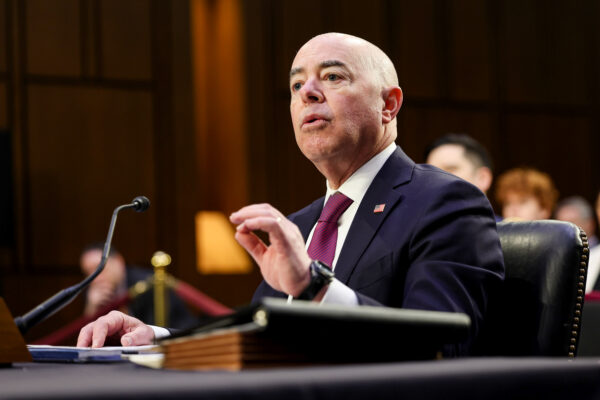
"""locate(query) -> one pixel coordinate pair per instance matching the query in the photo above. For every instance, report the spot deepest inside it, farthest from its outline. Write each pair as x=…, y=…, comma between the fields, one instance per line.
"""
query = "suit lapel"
x=396, y=171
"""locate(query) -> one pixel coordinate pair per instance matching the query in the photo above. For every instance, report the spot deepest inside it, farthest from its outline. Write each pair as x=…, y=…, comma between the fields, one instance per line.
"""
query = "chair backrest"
x=537, y=310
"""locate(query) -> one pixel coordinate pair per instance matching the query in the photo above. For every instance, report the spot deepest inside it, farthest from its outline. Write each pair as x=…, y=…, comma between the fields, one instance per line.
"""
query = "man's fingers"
x=141, y=335
x=104, y=326
x=92, y=335
x=269, y=224
x=134, y=332
x=255, y=211
x=85, y=336
x=252, y=244
x=100, y=331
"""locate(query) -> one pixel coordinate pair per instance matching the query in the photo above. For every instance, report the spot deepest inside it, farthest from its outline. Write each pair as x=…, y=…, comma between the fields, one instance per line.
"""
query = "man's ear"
x=392, y=98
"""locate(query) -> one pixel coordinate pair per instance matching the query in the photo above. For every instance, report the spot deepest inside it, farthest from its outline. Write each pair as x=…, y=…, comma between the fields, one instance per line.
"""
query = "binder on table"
x=274, y=333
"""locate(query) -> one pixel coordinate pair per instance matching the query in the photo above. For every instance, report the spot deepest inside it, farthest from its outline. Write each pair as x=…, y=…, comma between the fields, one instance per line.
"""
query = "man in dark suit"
x=398, y=234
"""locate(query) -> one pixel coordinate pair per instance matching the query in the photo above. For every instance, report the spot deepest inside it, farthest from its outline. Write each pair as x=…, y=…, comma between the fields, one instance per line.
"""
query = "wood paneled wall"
x=84, y=125
x=95, y=98
x=99, y=101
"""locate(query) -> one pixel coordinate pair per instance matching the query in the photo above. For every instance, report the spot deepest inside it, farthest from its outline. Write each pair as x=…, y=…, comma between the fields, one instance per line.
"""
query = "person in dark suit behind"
x=116, y=279
x=463, y=156
x=408, y=235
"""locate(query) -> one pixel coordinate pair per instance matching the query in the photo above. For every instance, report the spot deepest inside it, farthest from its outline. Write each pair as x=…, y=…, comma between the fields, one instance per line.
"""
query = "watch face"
x=322, y=270
x=320, y=275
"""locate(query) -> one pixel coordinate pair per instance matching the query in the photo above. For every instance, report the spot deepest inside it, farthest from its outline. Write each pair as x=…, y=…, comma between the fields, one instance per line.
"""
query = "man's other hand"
x=115, y=324
x=284, y=263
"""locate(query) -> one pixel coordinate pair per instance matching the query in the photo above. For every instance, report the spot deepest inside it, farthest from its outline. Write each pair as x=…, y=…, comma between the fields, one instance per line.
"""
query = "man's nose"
x=311, y=92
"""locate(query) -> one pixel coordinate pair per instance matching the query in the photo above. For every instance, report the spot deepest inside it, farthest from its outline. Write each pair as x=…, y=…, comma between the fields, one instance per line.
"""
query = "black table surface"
x=475, y=378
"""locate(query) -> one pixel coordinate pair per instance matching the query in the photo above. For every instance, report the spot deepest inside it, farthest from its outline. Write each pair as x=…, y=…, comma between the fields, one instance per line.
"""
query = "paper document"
x=150, y=360
x=86, y=354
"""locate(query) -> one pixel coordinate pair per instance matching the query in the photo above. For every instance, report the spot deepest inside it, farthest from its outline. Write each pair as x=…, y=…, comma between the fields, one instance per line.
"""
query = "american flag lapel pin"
x=378, y=208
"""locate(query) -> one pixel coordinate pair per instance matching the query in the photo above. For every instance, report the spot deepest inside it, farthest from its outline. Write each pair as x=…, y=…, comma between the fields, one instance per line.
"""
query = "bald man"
x=407, y=235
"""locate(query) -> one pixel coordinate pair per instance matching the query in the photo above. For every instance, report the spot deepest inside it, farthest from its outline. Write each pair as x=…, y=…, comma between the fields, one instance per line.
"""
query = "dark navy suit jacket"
x=434, y=247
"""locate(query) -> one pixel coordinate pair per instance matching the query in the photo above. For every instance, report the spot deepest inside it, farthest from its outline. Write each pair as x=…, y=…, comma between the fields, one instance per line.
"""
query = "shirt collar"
x=356, y=186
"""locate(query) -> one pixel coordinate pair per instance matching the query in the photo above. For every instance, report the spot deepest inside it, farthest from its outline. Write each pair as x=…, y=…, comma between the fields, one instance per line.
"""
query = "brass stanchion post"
x=160, y=260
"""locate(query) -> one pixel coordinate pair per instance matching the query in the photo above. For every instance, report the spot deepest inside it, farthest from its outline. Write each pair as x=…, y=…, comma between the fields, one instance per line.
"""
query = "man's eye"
x=332, y=77
x=296, y=86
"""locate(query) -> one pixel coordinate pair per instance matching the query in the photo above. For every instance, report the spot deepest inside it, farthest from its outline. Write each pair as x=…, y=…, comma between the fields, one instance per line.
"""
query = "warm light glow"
x=217, y=251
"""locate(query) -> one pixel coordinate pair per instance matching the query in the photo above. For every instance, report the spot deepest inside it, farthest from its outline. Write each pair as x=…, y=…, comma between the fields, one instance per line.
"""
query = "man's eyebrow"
x=295, y=71
x=324, y=64
x=332, y=63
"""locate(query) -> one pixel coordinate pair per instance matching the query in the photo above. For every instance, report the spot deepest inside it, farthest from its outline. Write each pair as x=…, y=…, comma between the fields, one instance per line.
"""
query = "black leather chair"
x=538, y=309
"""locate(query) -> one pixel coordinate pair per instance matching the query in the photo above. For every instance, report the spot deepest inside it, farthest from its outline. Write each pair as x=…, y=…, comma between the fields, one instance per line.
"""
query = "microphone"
x=140, y=203
x=65, y=296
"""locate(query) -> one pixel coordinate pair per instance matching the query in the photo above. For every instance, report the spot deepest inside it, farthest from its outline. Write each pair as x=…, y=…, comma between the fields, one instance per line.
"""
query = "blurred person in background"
x=114, y=282
x=526, y=194
x=463, y=156
x=593, y=283
x=579, y=211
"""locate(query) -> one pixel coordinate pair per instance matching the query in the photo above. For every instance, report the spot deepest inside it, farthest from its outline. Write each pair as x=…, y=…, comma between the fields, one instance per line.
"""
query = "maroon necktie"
x=324, y=239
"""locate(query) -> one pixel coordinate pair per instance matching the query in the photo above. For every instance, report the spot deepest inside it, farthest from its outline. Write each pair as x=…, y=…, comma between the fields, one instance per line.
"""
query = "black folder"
x=276, y=333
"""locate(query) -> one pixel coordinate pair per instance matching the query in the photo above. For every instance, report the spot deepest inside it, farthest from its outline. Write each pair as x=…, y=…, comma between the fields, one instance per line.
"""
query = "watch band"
x=321, y=275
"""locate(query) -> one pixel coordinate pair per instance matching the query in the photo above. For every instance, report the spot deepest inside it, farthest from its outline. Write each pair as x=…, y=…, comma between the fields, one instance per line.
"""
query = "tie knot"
x=335, y=206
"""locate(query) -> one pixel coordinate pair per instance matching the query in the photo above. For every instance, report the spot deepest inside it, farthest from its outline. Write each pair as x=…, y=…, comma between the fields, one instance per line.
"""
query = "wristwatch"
x=321, y=275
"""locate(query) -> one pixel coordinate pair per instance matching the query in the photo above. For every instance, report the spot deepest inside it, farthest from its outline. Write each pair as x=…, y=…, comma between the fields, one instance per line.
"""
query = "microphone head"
x=141, y=203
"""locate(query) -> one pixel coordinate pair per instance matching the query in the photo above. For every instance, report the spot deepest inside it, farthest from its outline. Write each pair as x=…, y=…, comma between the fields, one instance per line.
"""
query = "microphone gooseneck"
x=65, y=296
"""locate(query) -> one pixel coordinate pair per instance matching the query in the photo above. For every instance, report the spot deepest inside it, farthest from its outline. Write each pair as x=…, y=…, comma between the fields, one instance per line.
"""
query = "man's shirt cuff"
x=338, y=293
x=160, y=332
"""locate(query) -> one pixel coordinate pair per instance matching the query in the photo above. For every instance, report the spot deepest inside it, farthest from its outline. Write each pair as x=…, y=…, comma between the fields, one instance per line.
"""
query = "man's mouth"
x=313, y=120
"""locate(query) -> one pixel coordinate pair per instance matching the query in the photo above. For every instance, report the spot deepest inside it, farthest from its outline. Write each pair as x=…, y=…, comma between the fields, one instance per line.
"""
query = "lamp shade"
x=217, y=251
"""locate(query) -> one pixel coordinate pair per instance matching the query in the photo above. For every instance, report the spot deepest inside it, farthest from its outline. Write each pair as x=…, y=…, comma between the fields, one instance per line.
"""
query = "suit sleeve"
x=265, y=290
x=455, y=257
